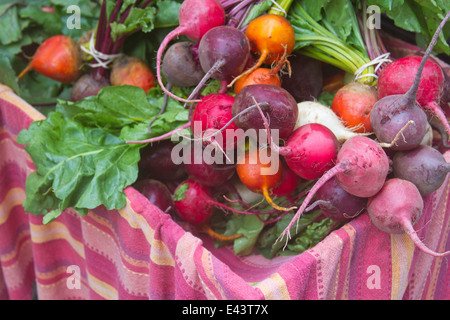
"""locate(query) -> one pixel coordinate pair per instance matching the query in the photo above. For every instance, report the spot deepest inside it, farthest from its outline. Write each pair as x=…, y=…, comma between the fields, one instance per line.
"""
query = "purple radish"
x=395, y=210
x=181, y=66
x=424, y=166
x=156, y=163
x=275, y=101
x=336, y=203
x=195, y=17
x=208, y=174
x=223, y=53
x=157, y=193
x=392, y=112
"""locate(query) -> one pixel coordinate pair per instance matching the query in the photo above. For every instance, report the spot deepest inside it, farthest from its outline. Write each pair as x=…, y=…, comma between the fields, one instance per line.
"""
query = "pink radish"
x=196, y=17
x=396, y=85
x=395, y=210
x=361, y=170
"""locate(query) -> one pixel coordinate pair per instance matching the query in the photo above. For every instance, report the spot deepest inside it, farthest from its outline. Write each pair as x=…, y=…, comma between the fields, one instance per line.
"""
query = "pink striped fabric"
x=139, y=252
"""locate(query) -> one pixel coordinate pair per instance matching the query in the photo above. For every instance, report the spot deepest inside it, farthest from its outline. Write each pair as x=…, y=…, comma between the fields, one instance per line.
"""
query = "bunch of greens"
x=26, y=24
x=335, y=32
x=80, y=152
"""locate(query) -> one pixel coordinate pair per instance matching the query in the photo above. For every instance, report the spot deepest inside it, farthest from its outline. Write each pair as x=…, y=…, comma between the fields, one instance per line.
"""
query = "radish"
x=132, y=71
x=223, y=53
x=157, y=193
x=353, y=103
x=315, y=112
x=260, y=176
x=181, y=66
x=196, y=17
x=58, y=58
x=395, y=210
x=424, y=166
x=194, y=204
x=305, y=81
x=270, y=36
x=209, y=174
x=156, y=163
x=210, y=115
x=392, y=111
x=289, y=182
x=361, y=170
x=87, y=86
x=310, y=150
x=279, y=105
x=336, y=203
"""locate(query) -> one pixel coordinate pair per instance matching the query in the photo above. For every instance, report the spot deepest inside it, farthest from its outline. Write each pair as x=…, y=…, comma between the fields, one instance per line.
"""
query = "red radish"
x=195, y=17
x=270, y=36
x=361, y=170
x=424, y=166
x=289, y=182
x=279, y=105
x=132, y=71
x=58, y=58
x=210, y=115
x=396, y=81
x=260, y=176
x=395, y=210
x=310, y=150
x=194, y=203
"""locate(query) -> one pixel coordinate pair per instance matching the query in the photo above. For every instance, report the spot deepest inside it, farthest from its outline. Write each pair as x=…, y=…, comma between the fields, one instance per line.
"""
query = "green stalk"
x=317, y=41
x=285, y=4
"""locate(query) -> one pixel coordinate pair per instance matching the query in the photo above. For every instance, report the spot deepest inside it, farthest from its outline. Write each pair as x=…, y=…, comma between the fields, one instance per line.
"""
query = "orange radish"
x=270, y=36
x=250, y=170
x=58, y=58
x=132, y=71
x=262, y=76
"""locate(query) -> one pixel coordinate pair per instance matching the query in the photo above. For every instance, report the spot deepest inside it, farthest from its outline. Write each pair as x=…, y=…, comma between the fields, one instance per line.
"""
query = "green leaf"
x=11, y=30
x=7, y=74
x=76, y=167
x=180, y=193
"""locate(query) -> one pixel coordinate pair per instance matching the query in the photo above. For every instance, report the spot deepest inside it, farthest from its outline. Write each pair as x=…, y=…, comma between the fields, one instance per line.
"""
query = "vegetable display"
x=265, y=125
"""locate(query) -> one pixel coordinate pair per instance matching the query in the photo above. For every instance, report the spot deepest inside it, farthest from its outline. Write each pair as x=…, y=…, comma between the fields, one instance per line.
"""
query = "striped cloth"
x=139, y=252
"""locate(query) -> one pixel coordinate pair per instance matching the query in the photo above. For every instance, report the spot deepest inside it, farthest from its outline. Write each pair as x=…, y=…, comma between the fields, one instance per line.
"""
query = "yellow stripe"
x=14, y=197
x=159, y=253
x=7, y=94
x=274, y=288
x=402, y=249
x=103, y=289
x=53, y=231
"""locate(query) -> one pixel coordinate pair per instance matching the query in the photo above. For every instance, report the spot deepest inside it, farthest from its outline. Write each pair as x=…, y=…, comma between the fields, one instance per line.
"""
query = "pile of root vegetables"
x=372, y=150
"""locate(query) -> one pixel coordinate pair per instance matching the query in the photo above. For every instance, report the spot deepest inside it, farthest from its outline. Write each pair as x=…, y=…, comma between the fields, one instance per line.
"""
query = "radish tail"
x=209, y=231
x=437, y=111
x=260, y=61
x=24, y=71
x=171, y=35
x=273, y=204
x=413, y=235
x=412, y=92
x=325, y=177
